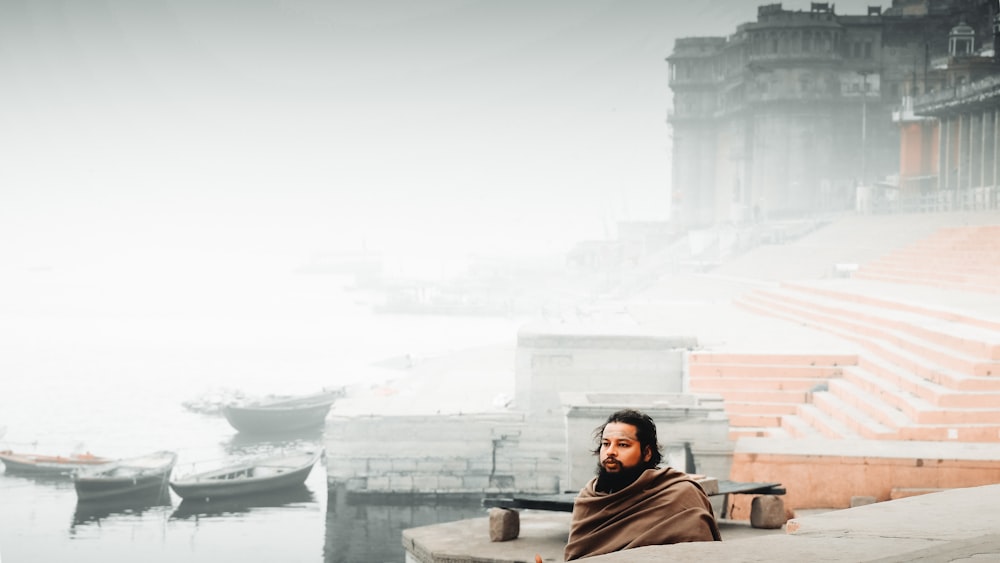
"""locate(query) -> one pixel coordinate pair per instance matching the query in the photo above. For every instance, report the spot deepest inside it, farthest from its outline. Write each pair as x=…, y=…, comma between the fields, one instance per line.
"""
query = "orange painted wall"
x=918, y=152
x=813, y=481
x=911, y=158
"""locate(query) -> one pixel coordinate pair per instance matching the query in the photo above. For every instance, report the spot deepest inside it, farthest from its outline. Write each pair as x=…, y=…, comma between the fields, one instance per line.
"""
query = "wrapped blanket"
x=662, y=506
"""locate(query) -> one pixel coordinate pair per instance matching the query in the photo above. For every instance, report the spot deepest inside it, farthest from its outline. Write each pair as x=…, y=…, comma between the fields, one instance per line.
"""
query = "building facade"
x=950, y=128
x=791, y=113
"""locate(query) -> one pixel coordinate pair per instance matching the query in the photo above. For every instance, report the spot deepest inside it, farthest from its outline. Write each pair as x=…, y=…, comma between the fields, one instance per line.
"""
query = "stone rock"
x=505, y=524
x=767, y=512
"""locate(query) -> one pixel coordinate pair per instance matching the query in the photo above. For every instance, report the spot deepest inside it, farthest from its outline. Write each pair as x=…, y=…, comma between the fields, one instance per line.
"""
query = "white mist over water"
x=86, y=358
x=104, y=364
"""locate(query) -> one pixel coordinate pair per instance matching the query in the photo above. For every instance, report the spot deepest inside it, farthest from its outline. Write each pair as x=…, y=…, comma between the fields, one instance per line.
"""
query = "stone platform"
x=954, y=525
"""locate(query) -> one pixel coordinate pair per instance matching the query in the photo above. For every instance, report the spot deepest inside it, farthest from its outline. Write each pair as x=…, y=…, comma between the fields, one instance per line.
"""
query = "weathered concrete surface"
x=542, y=533
x=954, y=525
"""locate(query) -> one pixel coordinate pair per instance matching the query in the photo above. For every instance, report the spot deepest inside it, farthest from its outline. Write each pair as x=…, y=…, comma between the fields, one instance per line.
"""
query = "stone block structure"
x=472, y=454
x=554, y=359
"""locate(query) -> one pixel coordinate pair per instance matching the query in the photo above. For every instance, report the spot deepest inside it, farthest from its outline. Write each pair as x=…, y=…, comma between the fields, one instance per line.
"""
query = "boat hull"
x=278, y=417
x=268, y=421
x=32, y=464
x=255, y=477
x=127, y=478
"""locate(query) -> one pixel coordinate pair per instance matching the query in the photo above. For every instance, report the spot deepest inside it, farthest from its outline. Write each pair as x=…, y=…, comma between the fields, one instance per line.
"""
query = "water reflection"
x=94, y=511
x=56, y=480
x=243, y=444
x=361, y=527
x=286, y=498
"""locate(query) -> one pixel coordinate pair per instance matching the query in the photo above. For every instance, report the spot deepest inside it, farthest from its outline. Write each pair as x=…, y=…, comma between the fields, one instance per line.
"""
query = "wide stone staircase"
x=963, y=258
x=929, y=367
x=925, y=372
x=889, y=384
x=767, y=395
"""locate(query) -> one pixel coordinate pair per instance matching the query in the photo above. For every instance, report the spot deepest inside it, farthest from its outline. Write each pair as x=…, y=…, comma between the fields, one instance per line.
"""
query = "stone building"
x=788, y=115
x=950, y=128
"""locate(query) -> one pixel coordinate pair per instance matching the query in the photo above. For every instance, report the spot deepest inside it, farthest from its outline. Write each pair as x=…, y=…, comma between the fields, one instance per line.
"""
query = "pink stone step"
x=763, y=371
x=741, y=408
x=764, y=396
x=860, y=323
x=819, y=358
x=824, y=423
x=723, y=384
x=754, y=420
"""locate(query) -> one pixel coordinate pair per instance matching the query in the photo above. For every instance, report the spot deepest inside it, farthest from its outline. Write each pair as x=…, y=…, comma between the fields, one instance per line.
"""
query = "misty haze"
x=444, y=239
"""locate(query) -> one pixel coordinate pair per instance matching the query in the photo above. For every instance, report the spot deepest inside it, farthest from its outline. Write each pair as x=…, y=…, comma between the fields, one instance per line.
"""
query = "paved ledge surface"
x=954, y=525
x=899, y=449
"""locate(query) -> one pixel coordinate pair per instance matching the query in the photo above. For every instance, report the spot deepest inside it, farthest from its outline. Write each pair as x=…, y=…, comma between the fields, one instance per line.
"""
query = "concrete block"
x=356, y=484
x=404, y=465
x=505, y=524
x=710, y=484
x=475, y=482
x=425, y=483
x=767, y=512
x=448, y=483
x=378, y=483
x=401, y=483
x=379, y=466
x=862, y=500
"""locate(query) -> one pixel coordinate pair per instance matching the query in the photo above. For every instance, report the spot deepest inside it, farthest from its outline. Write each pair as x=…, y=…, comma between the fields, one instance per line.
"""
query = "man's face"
x=620, y=449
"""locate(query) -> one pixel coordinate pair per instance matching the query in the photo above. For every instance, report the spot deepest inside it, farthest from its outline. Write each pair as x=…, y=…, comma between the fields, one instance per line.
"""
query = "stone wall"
x=553, y=360
x=438, y=454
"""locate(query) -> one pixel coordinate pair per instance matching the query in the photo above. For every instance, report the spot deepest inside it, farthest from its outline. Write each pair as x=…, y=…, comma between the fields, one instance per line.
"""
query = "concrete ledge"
x=541, y=532
x=946, y=526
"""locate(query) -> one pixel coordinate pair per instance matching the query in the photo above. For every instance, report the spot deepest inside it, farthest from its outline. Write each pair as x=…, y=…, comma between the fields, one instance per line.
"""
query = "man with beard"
x=632, y=502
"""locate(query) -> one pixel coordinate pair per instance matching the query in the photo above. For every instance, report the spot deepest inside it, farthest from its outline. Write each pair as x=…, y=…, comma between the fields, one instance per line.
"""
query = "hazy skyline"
x=191, y=134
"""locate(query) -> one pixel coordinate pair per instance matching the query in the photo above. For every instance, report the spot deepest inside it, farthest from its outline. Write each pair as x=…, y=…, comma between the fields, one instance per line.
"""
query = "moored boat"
x=249, y=477
x=39, y=464
x=126, y=477
x=282, y=415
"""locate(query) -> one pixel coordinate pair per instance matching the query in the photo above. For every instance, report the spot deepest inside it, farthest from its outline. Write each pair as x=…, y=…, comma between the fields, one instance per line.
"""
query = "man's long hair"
x=645, y=432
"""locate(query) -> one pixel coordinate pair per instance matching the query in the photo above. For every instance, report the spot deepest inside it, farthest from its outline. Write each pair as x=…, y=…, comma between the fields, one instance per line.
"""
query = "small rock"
x=505, y=524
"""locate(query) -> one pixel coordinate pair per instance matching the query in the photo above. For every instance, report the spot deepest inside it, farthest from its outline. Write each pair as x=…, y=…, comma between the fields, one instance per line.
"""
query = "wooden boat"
x=39, y=464
x=127, y=477
x=282, y=415
x=250, y=477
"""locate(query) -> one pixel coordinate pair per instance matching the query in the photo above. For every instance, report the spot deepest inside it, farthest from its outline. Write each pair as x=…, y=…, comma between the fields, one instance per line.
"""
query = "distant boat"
x=282, y=415
x=250, y=477
x=127, y=477
x=212, y=402
x=39, y=464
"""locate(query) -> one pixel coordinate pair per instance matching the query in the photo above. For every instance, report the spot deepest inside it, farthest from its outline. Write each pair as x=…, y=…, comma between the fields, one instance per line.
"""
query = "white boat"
x=275, y=416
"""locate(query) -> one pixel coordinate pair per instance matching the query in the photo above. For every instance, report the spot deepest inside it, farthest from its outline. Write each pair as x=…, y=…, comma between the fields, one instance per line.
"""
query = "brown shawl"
x=662, y=506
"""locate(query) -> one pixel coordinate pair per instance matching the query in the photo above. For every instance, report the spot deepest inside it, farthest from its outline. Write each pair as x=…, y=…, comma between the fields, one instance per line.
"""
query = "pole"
x=864, y=127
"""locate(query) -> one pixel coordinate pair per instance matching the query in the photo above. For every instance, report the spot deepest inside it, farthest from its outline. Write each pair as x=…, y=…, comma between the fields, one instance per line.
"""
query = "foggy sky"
x=209, y=134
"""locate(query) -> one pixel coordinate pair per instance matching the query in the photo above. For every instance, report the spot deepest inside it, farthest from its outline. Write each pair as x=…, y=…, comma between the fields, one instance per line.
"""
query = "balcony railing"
x=987, y=87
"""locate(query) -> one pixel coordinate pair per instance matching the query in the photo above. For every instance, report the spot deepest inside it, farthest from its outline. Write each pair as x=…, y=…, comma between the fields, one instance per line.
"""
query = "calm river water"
x=89, y=365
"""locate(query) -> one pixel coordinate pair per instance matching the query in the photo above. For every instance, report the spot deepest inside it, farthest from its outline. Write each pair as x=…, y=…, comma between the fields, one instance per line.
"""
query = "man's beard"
x=608, y=482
